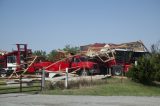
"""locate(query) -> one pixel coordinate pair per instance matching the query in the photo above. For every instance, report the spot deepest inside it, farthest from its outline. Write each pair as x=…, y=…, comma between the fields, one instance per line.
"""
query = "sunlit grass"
x=112, y=87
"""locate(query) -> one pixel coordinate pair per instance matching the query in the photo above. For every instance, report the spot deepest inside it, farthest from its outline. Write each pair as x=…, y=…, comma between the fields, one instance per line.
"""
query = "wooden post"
x=43, y=80
x=109, y=71
x=20, y=83
x=66, y=80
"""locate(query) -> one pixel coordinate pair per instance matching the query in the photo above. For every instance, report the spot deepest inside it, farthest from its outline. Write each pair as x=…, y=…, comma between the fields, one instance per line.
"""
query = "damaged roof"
x=100, y=48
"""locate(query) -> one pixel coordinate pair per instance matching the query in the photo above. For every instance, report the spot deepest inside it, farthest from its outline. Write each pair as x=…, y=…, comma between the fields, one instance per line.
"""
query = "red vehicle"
x=115, y=59
x=15, y=60
x=78, y=64
x=119, y=63
x=20, y=59
x=123, y=60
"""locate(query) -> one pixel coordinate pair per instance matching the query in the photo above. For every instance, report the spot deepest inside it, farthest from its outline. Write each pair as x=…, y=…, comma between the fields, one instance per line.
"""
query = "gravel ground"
x=63, y=100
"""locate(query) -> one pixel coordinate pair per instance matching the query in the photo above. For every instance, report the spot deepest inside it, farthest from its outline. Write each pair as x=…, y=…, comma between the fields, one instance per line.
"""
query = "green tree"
x=155, y=48
x=42, y=54
x=155, y=60
x=51, y=56
x=143, y=72
x=70, y=49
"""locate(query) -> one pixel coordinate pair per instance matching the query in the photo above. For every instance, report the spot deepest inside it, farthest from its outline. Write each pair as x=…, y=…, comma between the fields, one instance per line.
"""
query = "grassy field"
x=112, y=87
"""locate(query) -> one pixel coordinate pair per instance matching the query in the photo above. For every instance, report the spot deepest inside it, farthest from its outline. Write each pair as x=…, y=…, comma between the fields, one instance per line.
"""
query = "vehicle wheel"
x=3, y=73
x=91, y=71
x=117, y=70
x=84, y=73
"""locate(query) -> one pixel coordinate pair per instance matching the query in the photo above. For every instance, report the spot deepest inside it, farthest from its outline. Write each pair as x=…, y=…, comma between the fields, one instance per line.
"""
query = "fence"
x=22, y=83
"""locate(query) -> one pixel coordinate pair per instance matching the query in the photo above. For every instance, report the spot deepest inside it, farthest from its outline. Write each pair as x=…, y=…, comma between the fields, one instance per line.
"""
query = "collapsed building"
x=102, y=48
x=115, y=58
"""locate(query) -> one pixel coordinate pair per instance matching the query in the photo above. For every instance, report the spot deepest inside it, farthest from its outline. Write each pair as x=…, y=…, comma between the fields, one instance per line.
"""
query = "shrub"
x=147, y=70
x=156, y=65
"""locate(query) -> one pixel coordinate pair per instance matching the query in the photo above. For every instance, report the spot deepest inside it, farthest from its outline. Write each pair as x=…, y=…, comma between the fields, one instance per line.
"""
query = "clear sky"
x=52, y=24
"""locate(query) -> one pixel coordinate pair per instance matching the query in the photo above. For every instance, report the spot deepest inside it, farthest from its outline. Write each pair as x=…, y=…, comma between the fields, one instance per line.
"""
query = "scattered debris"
x=98, y=58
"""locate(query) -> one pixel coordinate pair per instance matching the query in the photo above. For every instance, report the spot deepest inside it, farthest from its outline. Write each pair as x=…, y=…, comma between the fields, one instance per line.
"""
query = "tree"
x=155, y=60
x=70, y=49
x=51, y=56
x=155, y=48
x=41, y=54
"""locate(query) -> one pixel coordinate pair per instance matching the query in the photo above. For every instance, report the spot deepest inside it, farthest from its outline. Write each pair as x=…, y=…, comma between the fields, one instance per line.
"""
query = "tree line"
x=51, y=56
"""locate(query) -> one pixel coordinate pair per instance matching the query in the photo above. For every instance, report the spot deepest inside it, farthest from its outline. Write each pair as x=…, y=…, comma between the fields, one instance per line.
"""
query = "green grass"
x=2, y=82
x=113, y=87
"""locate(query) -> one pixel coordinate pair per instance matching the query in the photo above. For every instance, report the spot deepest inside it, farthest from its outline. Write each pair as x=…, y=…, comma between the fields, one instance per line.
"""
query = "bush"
x=133, y=73
x=156, y=65
x=147, y=70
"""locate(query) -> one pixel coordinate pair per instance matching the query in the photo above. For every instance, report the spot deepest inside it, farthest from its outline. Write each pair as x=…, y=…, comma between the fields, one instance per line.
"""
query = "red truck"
x=15, y=60
x=77, y=64
x=115, y=59
x=18, y=60
x=119, y=63
x=123, y=60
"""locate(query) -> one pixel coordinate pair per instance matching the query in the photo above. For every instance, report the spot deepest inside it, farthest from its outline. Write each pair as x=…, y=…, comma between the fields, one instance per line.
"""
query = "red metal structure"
x=15, y=60
x=21, y=60
x=77, y=64
x=115, y=59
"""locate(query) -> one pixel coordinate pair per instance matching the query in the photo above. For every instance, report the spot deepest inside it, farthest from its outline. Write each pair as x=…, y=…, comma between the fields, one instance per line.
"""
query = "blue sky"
x=52, y=24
